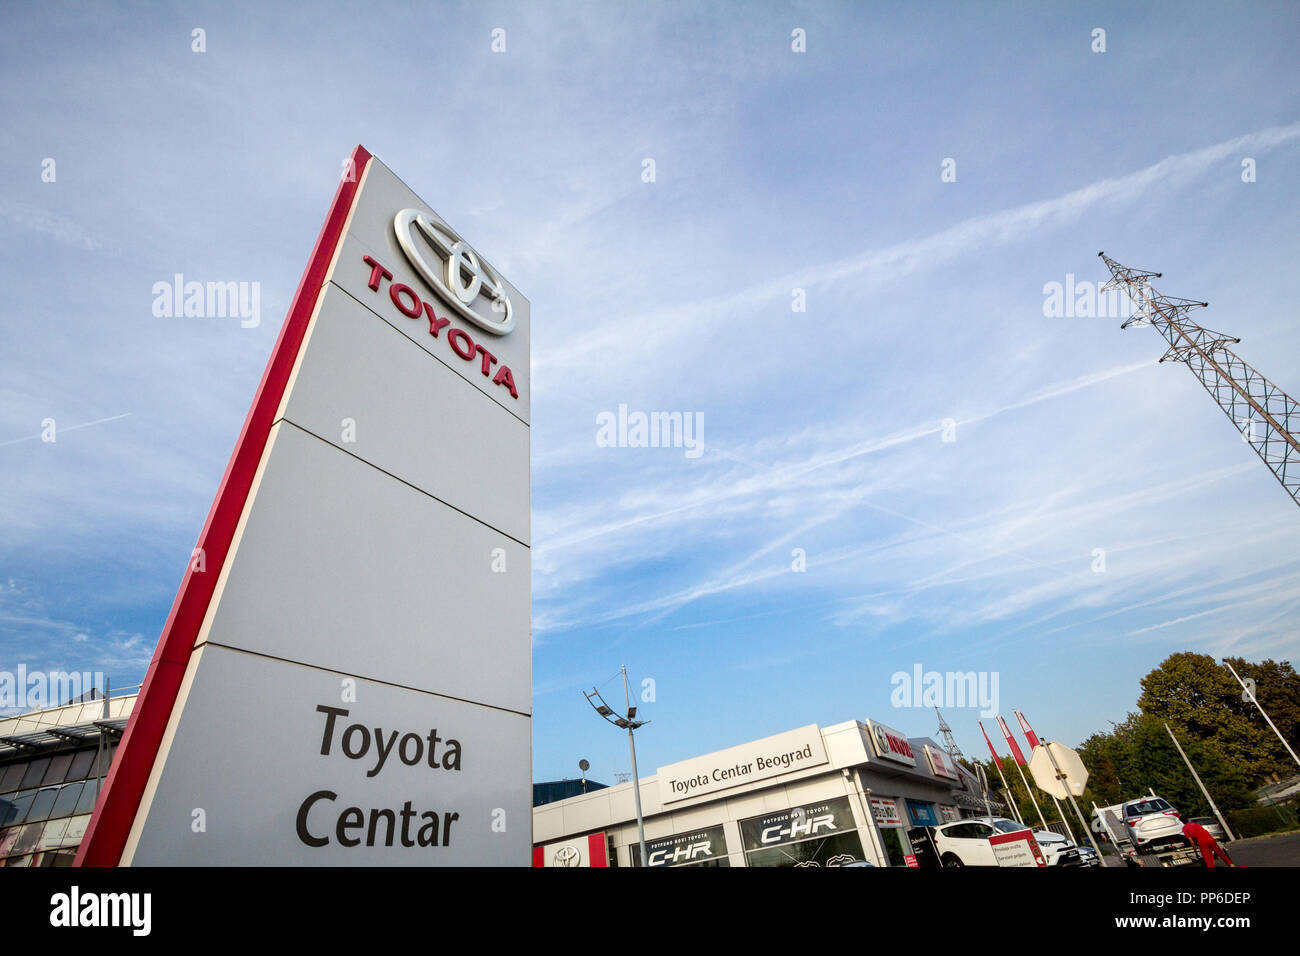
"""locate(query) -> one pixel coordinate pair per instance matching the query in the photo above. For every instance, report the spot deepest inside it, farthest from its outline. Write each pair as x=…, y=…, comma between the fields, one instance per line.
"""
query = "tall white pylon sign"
x=347, y=676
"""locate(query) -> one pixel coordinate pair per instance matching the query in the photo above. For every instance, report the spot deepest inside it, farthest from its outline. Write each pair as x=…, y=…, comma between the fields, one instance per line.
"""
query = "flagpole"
x=1019, y=760
x=997, y=762
x=1015, y=810
x=1031, y=795
x=1064, y=819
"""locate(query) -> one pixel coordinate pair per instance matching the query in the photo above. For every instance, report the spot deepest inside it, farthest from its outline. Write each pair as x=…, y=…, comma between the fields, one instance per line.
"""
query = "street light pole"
x=984, y=785
x=1197, y=778
x=628, y=723
x=636, y=777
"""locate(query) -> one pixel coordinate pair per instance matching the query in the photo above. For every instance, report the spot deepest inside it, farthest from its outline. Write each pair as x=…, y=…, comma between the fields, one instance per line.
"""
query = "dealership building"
x=52, y=768
x=814, y=796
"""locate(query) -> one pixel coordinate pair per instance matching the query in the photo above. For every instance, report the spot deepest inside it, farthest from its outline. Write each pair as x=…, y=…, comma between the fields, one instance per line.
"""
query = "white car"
x=966, y=842
x=1151, y=822
x=1058, y=849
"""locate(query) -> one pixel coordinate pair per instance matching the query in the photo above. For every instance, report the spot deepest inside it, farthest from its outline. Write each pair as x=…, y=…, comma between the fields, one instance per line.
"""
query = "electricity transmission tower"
x=949, y=741
x=1266, y=416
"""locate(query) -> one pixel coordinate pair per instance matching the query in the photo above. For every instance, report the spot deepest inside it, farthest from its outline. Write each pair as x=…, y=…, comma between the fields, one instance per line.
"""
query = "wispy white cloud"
x=49, y=223
x=659, y=328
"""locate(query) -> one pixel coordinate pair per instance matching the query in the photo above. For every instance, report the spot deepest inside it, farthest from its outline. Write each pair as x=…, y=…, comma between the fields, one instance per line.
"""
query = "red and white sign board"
x=885, y=810
x=345, y=675
x=591, y=850
x=1017, y=849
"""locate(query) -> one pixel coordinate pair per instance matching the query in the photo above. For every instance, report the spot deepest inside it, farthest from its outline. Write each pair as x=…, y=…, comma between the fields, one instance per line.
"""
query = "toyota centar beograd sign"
x=891, y=744
x=789, y=752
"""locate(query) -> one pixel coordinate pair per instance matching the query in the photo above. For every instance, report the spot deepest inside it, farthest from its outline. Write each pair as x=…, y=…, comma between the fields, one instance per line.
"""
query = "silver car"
x=1152, y=822
x=1212, y=827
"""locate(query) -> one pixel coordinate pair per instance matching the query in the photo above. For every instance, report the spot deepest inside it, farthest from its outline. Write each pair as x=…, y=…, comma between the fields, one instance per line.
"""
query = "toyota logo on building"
x=463, y=278
x=568, y=856
x=882, y=739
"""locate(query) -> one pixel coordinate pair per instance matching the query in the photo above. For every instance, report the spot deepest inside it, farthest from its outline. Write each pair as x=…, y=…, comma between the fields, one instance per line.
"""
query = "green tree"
x=1152, y=762
x=1103, y=755
x=1201, y=700
x=1277, y=688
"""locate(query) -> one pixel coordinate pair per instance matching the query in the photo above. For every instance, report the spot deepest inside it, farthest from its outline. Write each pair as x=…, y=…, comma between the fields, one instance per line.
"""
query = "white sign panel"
x=1072, y=771
x=285, y=771
x=789, y=752
x=1017, y=849
x=346, y=676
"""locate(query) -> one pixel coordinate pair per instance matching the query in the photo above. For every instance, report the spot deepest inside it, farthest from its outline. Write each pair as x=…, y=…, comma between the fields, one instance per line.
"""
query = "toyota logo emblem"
x=882, y=741
x=568, y=856
x=463, y=278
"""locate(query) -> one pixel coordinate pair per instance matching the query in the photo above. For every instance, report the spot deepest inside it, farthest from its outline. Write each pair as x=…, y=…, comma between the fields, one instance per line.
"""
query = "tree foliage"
x=1201, y=699
x=1222, y=733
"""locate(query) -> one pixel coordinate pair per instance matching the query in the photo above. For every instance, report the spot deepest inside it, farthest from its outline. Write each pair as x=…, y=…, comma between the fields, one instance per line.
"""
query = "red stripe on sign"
x=539, y=856
x=117, y=806
x=596, y=850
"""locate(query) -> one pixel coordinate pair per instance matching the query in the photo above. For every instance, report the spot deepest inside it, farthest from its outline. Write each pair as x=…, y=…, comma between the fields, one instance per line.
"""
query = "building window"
x=818, y=834
x=706, y=847
x=897, y=847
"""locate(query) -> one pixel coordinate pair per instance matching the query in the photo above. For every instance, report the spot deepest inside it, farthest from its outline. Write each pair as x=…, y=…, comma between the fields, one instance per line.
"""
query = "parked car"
x=1057, y=848
x=1088, y=856
x=966, y=842
x=1152, y=822
x=1212, y=827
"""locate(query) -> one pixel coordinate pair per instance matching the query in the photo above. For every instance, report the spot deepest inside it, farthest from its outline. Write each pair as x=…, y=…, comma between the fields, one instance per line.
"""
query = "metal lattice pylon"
x=949, y=741
x=1266, y=417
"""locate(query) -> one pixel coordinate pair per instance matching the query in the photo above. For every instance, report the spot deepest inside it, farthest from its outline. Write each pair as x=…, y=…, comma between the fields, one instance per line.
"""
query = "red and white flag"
x=1028, y=731
x=996, y=759
x=1011, y=742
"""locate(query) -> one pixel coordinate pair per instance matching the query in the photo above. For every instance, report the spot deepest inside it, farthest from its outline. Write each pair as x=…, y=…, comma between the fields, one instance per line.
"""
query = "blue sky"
x=774, y=170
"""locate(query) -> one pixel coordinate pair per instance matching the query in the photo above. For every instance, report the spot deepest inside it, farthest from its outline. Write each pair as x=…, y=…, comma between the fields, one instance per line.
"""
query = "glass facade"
x=820, y=834
x=45, y=806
